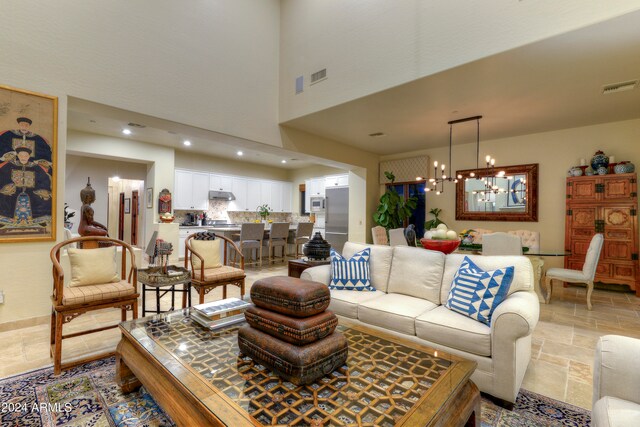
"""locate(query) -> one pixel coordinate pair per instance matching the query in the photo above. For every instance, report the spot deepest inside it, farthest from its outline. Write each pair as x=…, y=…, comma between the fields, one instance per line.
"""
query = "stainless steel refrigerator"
x=337, y=217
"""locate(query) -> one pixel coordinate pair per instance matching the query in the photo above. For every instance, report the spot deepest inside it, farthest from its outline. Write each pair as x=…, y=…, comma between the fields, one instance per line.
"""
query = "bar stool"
x=251, y=236
x=302, y=236
x=278, y=238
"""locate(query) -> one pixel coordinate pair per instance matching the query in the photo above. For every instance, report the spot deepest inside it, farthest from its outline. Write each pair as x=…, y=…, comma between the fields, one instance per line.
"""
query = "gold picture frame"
x=28, y=165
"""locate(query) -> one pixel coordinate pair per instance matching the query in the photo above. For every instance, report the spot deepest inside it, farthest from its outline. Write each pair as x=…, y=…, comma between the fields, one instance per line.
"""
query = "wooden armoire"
x=606, y=204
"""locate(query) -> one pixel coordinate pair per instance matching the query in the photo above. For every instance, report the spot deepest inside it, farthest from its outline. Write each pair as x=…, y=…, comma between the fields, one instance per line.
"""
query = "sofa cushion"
x=476, y=293
x=379, y=263
x=454, y=330
x=522, y=270
x=351, y=274
x=416, y=272
x=345, y=303
x=394, y=311
x=613, y=412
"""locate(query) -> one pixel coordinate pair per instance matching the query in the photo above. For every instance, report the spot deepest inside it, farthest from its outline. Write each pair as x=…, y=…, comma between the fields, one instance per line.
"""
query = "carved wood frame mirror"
x=513, y=197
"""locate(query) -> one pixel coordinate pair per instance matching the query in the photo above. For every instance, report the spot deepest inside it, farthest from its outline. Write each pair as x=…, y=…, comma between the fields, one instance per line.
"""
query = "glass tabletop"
x=476, y=248
x=380, y=384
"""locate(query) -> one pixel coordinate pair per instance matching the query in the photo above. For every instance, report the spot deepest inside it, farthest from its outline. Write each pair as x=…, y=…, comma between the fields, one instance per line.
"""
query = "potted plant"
x=67, y=217
x=433, y=223
x=393, y=209
x=264, y=211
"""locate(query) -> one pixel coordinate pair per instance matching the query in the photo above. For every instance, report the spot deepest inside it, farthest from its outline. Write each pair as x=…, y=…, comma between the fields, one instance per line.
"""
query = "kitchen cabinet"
x=336, y=181
x=265, y=193
x=239, y=189
x=276, y=197
x=287, y=195
x=608, y=205
x=253, y=195
x=220, y=182
x=315, y=187
x=191, y=190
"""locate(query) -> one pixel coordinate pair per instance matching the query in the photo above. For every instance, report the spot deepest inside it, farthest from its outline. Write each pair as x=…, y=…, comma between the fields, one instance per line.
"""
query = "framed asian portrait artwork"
x=28, y=165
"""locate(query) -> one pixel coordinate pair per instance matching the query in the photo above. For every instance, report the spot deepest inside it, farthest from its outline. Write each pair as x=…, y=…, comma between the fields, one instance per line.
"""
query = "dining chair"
x=278, y=235
x=501, y=244
x=379, y=234
x=94, y=284
x=396, y=237
x=586, y=275
x=478, y=233
x=528, y=238
x=210, y=269
x=251, y=236
x=302, y=235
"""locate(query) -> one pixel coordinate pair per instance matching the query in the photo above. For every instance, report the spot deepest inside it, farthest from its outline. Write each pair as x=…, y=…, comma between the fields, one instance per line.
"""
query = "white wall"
x=368, y=46
x=200, y=162
x=555, y=152
x=211, y=64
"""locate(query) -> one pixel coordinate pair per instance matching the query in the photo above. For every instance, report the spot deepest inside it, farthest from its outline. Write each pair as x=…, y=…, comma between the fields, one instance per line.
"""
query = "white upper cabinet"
x=191, y=190
x=239, y=189
x=336, y=181
x=220, y=182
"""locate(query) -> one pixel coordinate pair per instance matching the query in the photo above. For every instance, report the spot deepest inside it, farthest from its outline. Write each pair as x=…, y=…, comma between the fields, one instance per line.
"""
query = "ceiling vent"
x=377, y=134
x=136, y=125
x=318, y=76
x=619, y=87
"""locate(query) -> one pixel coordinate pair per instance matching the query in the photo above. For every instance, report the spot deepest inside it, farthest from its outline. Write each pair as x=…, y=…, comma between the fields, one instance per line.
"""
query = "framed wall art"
x=127, y=205
x=28, y=165
x=150, y=198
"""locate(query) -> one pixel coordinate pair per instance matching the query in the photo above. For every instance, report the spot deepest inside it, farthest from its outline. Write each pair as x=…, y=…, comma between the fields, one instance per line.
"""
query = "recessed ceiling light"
x=187, y=142
x=283, y=161
x=239, y=153
x=126, y=131
x=377, y=134
x=116, y=178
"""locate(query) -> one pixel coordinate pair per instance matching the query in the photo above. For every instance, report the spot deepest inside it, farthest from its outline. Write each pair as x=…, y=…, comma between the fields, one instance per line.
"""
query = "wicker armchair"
x=205, y=277
x=120, y=291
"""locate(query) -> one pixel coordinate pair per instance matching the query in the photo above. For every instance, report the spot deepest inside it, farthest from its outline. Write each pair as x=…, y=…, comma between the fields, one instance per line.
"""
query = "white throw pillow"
x=93, y=266
x=209, y=250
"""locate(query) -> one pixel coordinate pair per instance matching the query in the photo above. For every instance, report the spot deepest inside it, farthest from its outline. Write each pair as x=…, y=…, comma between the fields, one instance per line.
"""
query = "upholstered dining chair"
x=302, y=236
x=278, y=235
x=501, y=244
x=206, y=255
x=478, y=233
x=396, y=237
x=528, y=238
x=586, y=275
x=251, y=237
x=379, y=234
x=94, y=284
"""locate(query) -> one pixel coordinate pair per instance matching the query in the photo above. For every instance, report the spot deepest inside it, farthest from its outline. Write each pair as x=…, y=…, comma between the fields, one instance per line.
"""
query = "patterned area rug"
x=87, y=395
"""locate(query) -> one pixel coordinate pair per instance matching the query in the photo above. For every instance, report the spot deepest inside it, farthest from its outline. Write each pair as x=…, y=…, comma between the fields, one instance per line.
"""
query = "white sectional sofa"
x=412, y=284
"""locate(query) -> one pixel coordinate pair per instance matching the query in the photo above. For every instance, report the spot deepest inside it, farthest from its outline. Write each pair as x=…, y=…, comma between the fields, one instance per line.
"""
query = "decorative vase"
x=575, y=171
x=599, y=160
x=603, y=170
x=317, y=248
x=467, y=240
x=589, y=171
x=624, y=167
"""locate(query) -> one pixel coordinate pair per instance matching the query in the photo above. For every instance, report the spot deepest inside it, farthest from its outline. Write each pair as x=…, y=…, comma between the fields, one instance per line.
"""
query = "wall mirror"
x=498, y=193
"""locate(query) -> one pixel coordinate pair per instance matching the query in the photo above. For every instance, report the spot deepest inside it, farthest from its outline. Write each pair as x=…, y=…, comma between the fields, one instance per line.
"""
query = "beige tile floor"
x=562, y=353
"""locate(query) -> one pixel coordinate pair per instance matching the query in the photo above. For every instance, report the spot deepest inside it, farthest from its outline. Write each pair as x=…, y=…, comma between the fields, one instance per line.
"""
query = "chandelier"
x=435, y=181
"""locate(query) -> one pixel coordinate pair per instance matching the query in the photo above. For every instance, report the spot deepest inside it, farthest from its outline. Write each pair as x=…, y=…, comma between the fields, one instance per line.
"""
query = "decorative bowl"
x=166, y=219
x=444, y=246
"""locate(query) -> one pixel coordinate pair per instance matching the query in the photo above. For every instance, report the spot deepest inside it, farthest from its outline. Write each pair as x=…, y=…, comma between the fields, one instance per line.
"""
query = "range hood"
x=223, y=195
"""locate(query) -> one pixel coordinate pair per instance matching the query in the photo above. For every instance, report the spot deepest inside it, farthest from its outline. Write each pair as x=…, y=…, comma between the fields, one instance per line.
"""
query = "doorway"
x=125, y=215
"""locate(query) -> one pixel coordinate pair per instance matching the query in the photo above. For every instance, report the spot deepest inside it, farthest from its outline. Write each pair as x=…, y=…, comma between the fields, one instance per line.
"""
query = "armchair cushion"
x=394, y=311
x=224, y=272
x=567, y=275
x=93, y=266
x=209, y=250
x=92, y=293
x=345, y=303
x=351, y=274
x=613, y=412
x=476, y=293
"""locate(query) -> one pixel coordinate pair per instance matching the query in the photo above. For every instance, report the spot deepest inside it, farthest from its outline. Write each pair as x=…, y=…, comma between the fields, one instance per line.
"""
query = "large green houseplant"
x=393, y=208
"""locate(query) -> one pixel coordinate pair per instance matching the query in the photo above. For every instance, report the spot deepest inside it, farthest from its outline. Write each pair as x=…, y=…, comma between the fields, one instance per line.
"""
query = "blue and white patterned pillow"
x=351, y=274
x=476, y=293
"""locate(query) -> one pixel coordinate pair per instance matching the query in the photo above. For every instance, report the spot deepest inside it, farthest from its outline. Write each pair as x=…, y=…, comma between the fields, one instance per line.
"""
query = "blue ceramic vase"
x=624, y=167
x=599, y=160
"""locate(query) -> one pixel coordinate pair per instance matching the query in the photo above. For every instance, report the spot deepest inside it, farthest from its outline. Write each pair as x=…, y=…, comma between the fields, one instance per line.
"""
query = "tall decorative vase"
x=599, y=160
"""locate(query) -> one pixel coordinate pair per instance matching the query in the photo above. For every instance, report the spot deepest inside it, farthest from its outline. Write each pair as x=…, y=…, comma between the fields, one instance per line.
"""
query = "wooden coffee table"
x=199, y=378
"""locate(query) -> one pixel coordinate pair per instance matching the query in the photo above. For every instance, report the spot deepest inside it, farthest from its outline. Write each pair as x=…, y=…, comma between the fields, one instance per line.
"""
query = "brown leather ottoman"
x=298, y=331
x=290, y=296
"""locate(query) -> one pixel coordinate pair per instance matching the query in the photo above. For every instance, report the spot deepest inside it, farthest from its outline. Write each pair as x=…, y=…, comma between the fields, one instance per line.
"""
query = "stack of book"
x=216, y=314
